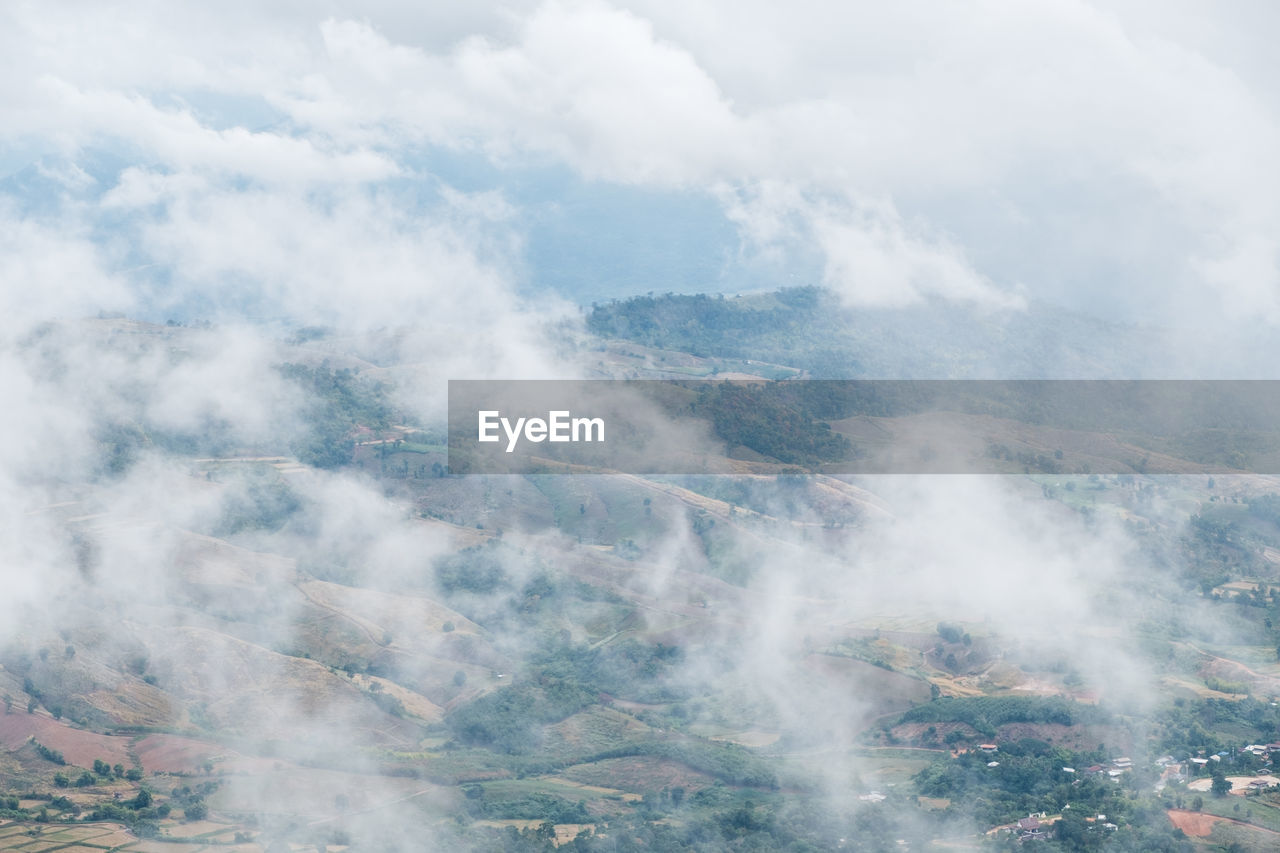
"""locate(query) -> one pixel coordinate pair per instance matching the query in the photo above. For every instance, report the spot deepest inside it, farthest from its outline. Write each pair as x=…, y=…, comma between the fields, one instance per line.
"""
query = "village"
x=1245, y=771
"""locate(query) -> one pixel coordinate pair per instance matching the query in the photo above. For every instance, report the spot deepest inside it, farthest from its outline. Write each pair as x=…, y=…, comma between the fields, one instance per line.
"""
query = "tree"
x=1221, y=786
x=196, y=811
x=143, y=800
x=459, y=678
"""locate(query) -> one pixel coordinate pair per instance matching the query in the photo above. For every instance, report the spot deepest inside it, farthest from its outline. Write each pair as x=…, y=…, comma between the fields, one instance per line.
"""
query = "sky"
x=278, y=159
x=446, y=180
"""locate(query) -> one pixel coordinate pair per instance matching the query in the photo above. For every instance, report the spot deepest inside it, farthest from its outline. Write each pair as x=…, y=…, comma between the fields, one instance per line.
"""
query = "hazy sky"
x=284, y=158
x=463, y=174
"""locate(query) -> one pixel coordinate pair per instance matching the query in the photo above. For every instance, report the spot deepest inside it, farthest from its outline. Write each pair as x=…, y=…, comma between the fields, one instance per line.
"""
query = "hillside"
x=810, y=329
x=350, y=632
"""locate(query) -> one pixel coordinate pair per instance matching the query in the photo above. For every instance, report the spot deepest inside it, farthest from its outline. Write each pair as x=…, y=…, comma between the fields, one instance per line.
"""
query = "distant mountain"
x=810, y=328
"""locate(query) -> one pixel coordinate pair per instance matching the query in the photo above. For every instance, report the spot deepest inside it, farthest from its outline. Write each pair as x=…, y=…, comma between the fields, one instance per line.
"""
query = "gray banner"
x=864, y=426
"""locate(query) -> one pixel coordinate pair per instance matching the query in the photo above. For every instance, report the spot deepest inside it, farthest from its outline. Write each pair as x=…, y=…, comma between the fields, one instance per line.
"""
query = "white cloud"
x=1069, y=118
x=872, y=256
x=52, y=269
x=871, y=135
x=596, y=87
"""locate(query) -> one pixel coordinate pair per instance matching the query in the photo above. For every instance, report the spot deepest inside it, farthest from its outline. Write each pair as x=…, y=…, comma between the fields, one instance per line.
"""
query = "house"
x=988, y=747
x=993, y=763
x=1030, y=828
x=1068, y=770
x=873, y=797
x=1123, y=763
x=1200, y=762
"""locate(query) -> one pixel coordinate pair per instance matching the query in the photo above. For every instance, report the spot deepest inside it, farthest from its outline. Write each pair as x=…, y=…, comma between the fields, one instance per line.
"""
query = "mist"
x=242, y=253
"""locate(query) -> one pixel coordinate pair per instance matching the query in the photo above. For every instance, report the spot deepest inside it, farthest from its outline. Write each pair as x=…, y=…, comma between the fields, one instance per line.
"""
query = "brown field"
x=165, y=847
x=594, y=729
x=115, y=839
x=1238, y=783
x=15, y=836
x=1194, y=824
x=1194, y=686
x=201, y=829
x=637, y=773
x=172, y=754
x=176, y=754
x=77, y=746
x=87, y=834
x=1224, y=830
x=565, y=832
